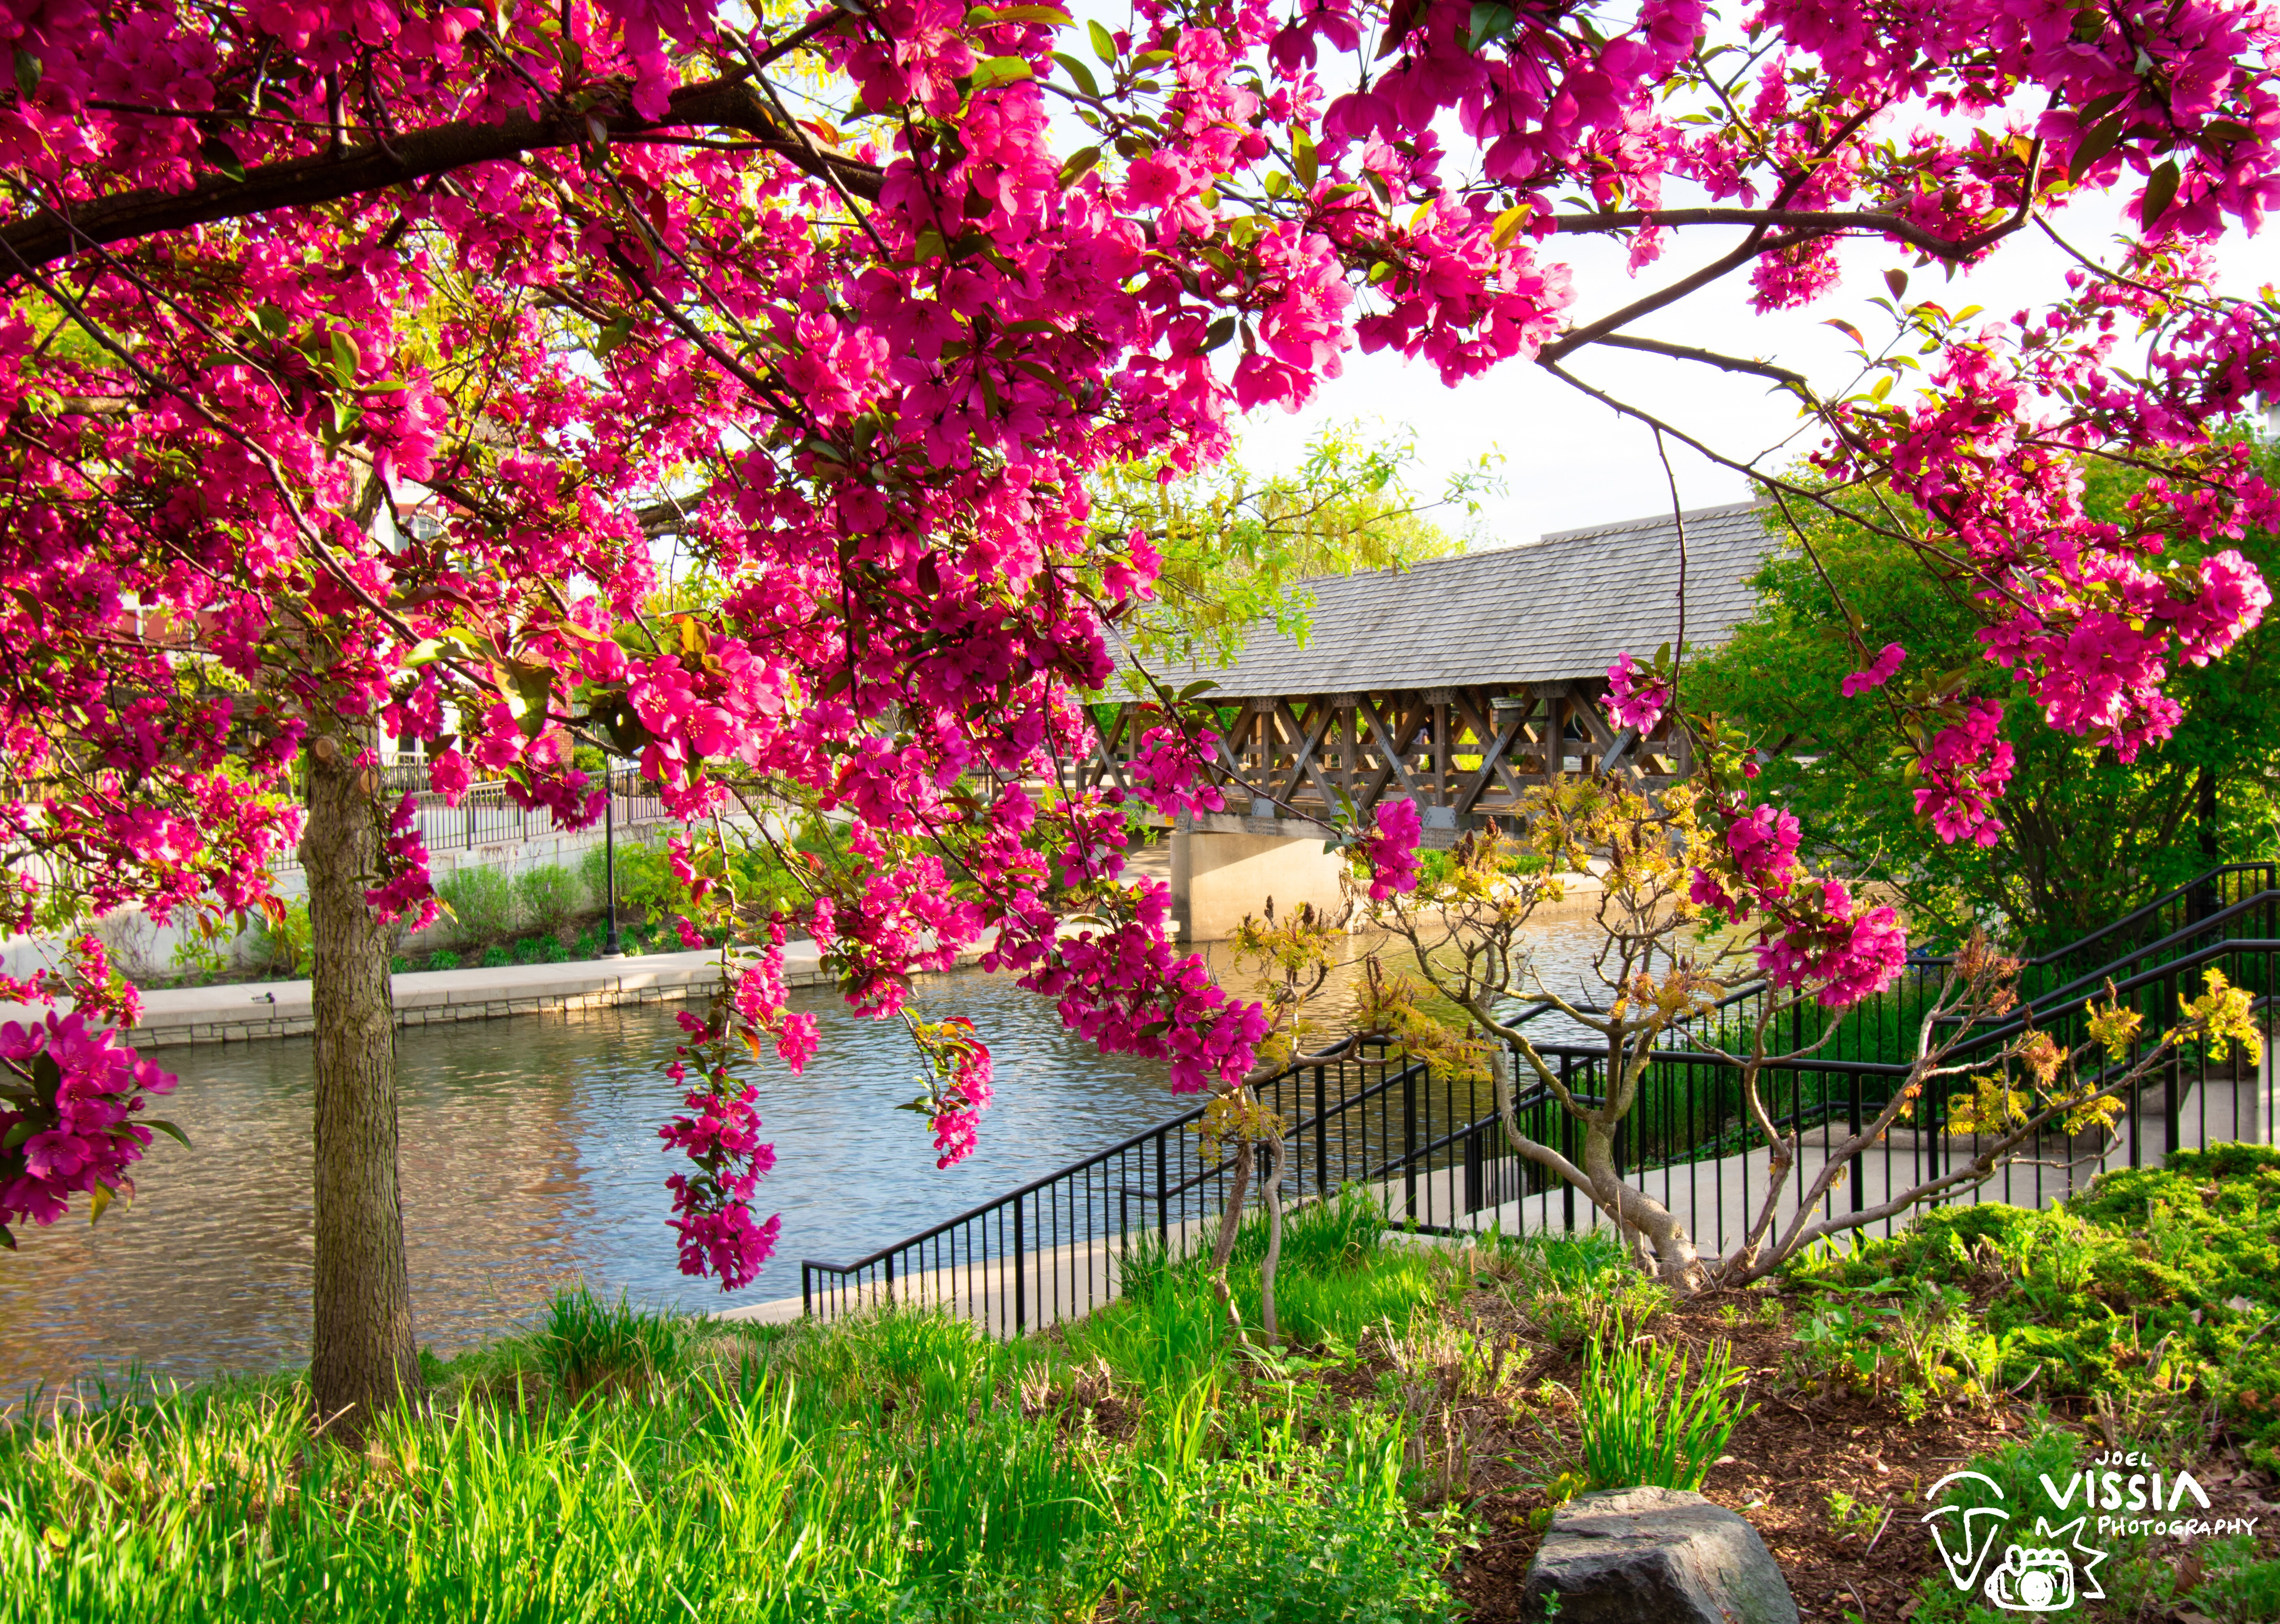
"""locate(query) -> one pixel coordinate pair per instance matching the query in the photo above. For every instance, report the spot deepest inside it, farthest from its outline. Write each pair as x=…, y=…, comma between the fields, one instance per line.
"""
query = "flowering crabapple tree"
x=1701, y=895
x=851, y=304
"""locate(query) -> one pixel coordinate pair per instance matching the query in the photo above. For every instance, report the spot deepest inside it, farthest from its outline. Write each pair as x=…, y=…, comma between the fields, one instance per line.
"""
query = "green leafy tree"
x=2086, y=836
x=1239, y=546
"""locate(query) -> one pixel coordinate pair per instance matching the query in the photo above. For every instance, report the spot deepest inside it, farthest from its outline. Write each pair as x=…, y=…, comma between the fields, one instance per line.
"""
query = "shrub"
x=443, y=959
x=587, y=1345
x=1643, y=1424
x=495, y=957
x=2152, y=1285
x=549, y=897
x=481, y=901
x=1299, y=1534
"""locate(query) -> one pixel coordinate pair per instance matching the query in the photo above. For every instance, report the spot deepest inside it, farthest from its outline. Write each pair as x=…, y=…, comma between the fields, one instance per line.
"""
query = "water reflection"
x=530, y=1157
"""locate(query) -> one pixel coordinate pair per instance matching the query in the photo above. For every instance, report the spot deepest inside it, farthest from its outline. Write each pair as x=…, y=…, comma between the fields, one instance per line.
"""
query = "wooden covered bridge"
x=1459, y=684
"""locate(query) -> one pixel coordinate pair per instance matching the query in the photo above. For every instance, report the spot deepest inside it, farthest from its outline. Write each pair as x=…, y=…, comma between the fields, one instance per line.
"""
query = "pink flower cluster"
x=1879, y=672
x=1844, y=952
x=959, y=1086
x=1634, y=699
x=1963, y=772
x=69, y=1094
x=712, y=1204
x=1391, y=853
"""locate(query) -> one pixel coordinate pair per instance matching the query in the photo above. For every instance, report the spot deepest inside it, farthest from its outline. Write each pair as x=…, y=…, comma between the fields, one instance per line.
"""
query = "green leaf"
x=47, y=1076
x=169, y=1130
x=1848, y=329
x=1508, y=224
x=97, y=1199
x=1053, y=14
x=1491, y=21
x=1079, y=163
x=1897, y=281
x=7, y=1240
x=2161, y=192
x=222, y=156
x=1002, y=71
x=1201, y=685
x=614, y=335
x=1104, y=43
x=2100, y=140
x=345, y=358
x=1077, y=70
x=18, y=1134
x=1303, y=160
x=27, y=80
x=928, y=246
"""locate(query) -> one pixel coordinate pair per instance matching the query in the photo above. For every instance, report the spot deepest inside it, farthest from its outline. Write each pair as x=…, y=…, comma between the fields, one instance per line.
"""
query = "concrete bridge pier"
x=1220, y=873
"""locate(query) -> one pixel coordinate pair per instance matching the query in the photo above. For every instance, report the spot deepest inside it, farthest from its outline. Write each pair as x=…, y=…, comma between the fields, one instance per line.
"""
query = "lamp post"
x=611, y=947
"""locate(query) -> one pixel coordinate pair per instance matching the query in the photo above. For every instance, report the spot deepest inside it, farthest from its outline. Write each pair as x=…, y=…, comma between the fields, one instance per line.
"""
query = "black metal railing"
x=1432, y=1151
x=487, y=816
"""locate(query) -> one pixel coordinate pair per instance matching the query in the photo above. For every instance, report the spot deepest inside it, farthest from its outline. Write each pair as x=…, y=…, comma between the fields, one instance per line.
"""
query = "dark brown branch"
x=1708, y=357
x=417, y=155
x=1820, y=222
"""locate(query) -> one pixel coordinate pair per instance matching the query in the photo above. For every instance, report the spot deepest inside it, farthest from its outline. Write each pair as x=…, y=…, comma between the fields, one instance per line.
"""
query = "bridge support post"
x=1218, y=876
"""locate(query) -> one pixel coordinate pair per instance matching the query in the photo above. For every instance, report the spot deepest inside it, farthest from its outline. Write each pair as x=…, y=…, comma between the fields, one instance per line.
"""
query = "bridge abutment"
x=1219, y=875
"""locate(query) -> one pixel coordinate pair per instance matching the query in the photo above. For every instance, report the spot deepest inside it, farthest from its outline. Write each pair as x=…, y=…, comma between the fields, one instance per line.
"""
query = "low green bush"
x=548, y=897
x=480, y=901
x=495, y=957
x=2153, y=1285
x=443, y=959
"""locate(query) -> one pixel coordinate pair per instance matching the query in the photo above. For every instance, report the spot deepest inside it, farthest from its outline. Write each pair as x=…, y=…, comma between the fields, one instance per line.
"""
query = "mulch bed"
x=1785, y=1461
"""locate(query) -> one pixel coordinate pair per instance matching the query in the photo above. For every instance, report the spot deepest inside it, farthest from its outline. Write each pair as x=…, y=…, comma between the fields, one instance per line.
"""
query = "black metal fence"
x=1433, y=1152
x=487, y=816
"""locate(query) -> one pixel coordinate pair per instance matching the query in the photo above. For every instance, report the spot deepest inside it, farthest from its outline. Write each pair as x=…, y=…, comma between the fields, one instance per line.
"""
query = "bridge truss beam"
x=1465, y=755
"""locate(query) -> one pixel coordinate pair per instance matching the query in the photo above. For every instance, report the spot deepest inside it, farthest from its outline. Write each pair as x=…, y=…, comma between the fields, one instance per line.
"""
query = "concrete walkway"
x=246, y=1012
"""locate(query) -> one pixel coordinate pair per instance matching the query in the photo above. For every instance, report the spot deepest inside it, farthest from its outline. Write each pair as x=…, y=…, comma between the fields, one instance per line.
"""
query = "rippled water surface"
x=530, y=1157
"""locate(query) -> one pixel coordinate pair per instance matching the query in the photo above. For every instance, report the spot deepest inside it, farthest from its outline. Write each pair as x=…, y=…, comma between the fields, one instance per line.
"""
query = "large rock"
x=1655, y=1556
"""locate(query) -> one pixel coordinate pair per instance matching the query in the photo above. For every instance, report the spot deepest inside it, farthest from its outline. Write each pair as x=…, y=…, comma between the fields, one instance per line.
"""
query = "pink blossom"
x=1391, y=853
x=1634, y=703
x=1879, y=671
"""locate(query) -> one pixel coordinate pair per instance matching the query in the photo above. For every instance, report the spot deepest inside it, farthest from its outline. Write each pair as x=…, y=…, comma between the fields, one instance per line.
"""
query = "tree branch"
x=730, y=104
x=1818, y=222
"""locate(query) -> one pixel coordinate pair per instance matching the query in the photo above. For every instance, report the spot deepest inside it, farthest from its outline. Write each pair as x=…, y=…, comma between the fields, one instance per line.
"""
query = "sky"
x=1570, y=461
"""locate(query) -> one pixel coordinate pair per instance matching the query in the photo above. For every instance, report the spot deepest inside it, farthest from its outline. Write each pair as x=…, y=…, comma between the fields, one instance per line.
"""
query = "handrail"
x=1436, y=1155
x=1411, y=1072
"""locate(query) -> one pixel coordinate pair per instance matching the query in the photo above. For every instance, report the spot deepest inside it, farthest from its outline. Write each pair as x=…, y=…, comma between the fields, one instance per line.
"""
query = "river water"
x=530, y=1159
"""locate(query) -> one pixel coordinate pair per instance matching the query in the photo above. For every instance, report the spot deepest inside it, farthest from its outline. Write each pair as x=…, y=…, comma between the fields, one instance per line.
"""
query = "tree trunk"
x=362, y=1354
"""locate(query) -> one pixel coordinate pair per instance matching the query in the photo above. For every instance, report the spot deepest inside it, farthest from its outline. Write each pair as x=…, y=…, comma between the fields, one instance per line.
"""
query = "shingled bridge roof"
x=1560, y=608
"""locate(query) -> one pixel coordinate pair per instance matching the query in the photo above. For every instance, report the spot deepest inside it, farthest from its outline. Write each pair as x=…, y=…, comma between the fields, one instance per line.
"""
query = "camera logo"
x=2035, y=1581
x=2050, y=1575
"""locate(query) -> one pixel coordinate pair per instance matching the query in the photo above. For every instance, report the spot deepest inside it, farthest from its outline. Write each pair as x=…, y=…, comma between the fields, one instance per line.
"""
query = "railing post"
x=890, y=1280
x=1859, y=1161
x=807, y=1294
x=2169, y=1113
x=1163, y=1197
x=1566, y=1142
x=1321, y=1134
x=1409, y=1141
x=1020, y=1274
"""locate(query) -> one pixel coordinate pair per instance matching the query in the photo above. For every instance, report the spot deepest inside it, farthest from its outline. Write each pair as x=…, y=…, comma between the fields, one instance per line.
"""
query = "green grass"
x=614, y=1464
